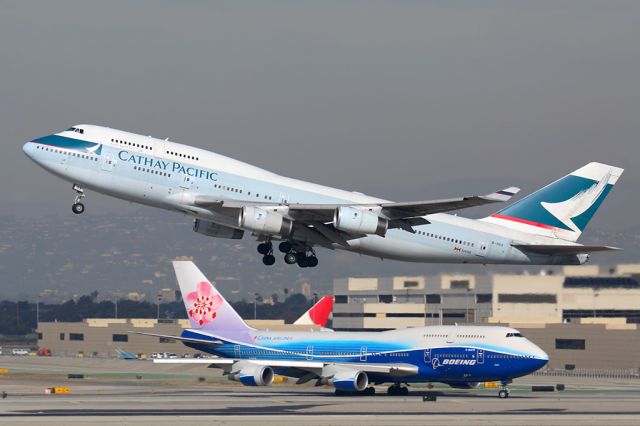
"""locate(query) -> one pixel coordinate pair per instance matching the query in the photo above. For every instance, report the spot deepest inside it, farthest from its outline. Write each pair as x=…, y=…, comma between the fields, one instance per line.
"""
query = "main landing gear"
x=78, y=207
x=305, y=258
x=504, y=390
x=266, y=249
x=397, y=390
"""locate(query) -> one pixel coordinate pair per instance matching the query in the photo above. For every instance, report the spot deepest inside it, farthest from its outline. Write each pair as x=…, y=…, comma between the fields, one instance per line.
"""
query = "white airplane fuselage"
x=169, y=175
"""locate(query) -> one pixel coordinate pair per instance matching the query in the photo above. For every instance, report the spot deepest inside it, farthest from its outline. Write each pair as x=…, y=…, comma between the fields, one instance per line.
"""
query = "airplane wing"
x=181, y=339
x=405, y=210
x=562, y=249
x=319, y=217
x=309, y=366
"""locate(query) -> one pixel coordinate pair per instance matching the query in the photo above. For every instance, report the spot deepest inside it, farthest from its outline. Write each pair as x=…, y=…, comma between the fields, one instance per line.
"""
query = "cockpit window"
x=75, y=129
x=514, y=335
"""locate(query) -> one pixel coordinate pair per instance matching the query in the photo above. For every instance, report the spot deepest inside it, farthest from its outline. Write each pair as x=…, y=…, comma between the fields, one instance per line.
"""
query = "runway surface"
x=115, y=391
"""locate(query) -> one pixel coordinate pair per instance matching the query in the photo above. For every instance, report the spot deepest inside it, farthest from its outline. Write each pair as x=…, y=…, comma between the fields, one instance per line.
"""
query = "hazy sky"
x=400, y=99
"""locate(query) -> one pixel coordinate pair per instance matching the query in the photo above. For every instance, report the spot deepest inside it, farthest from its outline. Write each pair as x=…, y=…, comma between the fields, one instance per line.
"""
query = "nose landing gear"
x=78, y=207
x=504, y=390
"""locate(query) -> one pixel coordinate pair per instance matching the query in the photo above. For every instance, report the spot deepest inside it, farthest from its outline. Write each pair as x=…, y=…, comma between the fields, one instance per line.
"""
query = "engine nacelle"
x=253, y=375
x=350, y=380
x=262, y=221
x=349, y=219
x=213, y=229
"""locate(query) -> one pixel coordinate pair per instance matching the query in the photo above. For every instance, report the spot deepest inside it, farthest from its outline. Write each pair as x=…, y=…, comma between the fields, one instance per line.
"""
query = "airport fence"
x=627, y=373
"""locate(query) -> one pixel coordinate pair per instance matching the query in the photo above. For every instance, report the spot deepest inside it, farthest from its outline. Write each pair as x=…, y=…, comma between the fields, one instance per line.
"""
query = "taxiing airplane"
x=460, y=356
x=228, y=197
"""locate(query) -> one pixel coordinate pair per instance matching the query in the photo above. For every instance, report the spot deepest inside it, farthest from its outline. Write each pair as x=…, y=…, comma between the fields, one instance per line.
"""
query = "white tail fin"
x=206, y=308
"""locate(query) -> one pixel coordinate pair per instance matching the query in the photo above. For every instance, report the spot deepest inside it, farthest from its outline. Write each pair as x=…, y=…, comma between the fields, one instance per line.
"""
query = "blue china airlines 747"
x=460, y=356
x=228, y=197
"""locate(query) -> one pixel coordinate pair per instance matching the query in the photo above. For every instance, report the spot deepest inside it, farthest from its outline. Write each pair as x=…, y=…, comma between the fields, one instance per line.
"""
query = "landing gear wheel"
x=504, y=393
x=397, y=390
x=264, y=248
x=290, y=258
x=269, y=259
x=77, y=208
x=369, y=391
x=313, y=262
x=285, y=247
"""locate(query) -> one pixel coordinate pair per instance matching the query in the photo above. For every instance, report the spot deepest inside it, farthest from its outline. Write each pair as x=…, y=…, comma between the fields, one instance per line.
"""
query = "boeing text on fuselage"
x=227, y=198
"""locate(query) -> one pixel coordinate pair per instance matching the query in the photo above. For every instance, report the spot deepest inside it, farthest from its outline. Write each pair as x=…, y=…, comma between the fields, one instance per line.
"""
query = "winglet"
x=503, y=194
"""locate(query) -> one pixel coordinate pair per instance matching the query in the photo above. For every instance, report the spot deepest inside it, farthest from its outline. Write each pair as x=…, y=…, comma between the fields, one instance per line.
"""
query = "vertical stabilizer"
x=563, y=208
x=206, y=308
x=318, y=314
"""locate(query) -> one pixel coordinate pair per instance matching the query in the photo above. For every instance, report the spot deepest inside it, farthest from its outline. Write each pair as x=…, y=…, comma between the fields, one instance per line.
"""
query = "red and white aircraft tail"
x=318, y=314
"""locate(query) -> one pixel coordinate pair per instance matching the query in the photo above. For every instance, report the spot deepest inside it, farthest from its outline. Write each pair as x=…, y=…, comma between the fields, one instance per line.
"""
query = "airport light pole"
x=255, y=305
x=158, y=297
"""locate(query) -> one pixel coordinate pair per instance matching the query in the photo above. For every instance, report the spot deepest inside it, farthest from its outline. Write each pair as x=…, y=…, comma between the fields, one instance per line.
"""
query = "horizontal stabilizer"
x=181, y=339
x=551, y=249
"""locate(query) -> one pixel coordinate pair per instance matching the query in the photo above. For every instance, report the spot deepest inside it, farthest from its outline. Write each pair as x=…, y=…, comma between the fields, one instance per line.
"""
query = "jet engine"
x=252, y=375
x=358, y=221
x=262, y=221
x=213, y=229
x=350, y=380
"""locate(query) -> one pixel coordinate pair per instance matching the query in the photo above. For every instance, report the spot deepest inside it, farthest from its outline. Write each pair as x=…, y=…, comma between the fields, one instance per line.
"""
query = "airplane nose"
x=28, y=149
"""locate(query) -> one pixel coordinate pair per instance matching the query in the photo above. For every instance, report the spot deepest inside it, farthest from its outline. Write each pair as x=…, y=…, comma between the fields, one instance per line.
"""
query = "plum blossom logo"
x=204, y=303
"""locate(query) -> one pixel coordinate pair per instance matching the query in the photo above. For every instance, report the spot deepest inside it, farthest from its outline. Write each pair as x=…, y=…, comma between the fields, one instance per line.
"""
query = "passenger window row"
x=228, y=188
x=448, y=239
x=231, y=189
x=137, y=145
x=71, y=154
x=151, y=171
x=178, y=154
x=508, y=356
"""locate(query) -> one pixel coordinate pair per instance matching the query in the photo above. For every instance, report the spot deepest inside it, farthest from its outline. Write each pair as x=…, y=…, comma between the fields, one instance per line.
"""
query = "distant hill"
x=121, y=253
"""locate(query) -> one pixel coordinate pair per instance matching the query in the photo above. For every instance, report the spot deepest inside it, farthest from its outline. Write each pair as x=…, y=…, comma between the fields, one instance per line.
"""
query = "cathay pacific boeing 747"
x=227, y=197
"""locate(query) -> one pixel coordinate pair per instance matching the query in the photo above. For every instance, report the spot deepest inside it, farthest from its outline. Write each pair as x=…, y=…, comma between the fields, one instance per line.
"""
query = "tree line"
x=20, y=318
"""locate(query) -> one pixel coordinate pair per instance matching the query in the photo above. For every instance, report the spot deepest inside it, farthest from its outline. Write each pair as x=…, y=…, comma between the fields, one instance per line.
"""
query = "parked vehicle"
x=19, y=351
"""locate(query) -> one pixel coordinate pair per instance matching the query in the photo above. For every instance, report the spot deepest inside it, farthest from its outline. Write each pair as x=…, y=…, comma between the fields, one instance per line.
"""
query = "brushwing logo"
x=204, y=303
x=97, y=149
x=566, y=210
